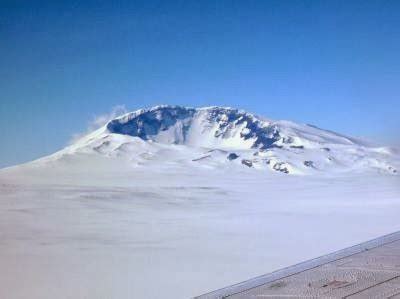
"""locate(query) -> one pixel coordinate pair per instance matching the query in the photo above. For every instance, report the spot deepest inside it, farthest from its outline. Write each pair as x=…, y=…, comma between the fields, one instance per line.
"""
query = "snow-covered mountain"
x=226, y=137
x=187, y=200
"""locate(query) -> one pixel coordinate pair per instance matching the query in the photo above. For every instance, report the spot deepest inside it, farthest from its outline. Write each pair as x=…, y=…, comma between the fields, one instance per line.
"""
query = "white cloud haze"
x=99, y=121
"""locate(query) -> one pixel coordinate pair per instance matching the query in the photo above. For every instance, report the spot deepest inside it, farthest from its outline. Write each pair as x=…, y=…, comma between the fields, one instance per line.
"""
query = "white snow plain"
x=89, y=226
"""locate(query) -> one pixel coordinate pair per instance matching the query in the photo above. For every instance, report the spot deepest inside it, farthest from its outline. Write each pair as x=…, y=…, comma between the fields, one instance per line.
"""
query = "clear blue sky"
x=335, y=64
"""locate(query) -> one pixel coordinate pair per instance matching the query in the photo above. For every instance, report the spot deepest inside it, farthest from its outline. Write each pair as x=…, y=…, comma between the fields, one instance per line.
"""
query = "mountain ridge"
x=225, y=137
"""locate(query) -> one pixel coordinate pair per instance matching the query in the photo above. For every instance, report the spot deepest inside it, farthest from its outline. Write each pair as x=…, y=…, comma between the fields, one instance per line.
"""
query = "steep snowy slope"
x=226, y=137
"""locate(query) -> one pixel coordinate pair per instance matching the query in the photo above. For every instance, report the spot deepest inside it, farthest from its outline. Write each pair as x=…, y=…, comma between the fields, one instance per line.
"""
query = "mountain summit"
x=227, y=137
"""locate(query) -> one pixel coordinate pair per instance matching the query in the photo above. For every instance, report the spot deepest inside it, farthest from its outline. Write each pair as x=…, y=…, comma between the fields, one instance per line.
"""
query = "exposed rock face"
x=188, y=124
x=232, y=156
x=281, y=166
x=309, y=163
x=248, y=163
